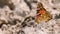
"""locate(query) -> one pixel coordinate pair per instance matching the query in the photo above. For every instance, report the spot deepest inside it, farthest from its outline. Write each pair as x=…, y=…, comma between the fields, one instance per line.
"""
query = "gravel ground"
x=19, y=17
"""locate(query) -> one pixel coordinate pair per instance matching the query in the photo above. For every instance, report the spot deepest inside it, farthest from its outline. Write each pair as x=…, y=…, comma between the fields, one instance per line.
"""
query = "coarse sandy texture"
x=18, y=17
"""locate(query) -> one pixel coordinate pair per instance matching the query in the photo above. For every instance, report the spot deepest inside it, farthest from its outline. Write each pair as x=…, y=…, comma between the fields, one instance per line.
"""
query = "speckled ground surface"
x=19, y=17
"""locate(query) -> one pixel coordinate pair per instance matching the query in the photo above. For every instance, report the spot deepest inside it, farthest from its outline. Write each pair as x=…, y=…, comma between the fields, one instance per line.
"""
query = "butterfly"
x=42, y=14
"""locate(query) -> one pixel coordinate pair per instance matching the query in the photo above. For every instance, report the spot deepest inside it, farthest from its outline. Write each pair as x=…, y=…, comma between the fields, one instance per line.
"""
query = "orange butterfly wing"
x=43, y=15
